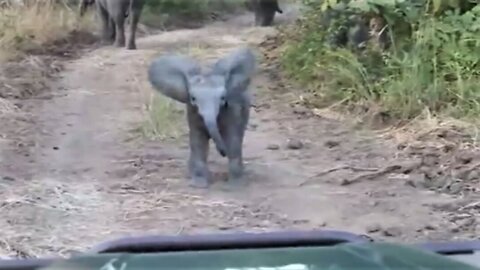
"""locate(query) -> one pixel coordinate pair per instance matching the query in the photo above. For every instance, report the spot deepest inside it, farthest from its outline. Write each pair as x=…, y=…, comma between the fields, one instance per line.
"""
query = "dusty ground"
x=76, y=172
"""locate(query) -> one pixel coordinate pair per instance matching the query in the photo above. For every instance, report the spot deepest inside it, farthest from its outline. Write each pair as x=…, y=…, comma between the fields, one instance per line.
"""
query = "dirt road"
x=91, y=177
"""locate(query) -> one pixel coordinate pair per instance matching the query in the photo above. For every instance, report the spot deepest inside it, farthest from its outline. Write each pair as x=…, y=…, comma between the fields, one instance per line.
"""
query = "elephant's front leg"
x=134, y=18
x=105, y=21
x=199, y=140
x=119, y=29
x=258, y=16
x=234, y=139
x=111, y=30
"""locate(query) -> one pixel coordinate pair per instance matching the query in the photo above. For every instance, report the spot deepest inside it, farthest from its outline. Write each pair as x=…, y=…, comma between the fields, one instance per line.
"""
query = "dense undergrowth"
x=430, y=63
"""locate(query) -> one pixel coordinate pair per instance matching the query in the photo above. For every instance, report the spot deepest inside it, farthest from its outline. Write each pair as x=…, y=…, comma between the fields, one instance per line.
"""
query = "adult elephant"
x=112, y=15
x=264, y=11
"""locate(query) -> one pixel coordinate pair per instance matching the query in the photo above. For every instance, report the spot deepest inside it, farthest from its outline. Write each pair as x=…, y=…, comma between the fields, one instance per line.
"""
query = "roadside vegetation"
x=30, y=25
x=427, y=60
x=31, y=32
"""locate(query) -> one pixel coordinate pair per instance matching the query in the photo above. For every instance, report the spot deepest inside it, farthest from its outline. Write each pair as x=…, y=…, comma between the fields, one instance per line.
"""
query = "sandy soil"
x=75, y=171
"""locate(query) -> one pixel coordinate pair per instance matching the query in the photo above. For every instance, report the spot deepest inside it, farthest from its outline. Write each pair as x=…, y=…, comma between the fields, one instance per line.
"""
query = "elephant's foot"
x=199, y=182
x=120, y=42
x=199, y=176
x=131, y=46
x=236, y=175
x=106, y=42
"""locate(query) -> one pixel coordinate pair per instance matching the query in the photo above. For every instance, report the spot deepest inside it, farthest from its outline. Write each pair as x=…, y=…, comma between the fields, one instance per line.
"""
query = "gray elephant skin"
x=218, y=106
x=112, y=15
x=264, y=11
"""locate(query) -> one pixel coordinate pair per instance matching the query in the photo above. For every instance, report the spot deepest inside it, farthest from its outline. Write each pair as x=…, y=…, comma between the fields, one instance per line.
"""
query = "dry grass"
x=434, y=130
x=163, y=117
x=33, y=25
x=34, y=214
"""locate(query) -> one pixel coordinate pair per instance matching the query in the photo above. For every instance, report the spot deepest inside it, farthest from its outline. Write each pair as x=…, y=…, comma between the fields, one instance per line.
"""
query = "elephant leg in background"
x=134, y=18
x=258, y=17
x=199, y=141
x=111, y=30
x=268, y=16
x=105, y=22
x=119, y=19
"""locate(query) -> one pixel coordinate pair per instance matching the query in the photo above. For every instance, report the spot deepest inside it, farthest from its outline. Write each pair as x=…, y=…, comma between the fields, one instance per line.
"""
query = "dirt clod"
x=273, y=147
x=332, y=144
x=373, y=228
x=392, y=231
x=294, y=144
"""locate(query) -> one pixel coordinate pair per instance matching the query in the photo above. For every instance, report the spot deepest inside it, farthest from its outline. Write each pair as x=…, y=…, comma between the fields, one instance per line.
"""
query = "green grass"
x=435, y=68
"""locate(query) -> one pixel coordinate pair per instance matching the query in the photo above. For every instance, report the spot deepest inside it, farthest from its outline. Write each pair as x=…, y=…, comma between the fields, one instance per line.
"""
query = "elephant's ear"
x=170, y=75
x=238, y=68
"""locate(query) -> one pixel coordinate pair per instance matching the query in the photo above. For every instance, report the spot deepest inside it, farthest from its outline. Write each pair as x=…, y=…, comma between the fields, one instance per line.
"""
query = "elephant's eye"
x=192, y=99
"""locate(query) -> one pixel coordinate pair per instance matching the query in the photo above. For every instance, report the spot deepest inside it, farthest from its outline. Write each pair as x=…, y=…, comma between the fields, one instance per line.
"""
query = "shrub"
x=431, y=62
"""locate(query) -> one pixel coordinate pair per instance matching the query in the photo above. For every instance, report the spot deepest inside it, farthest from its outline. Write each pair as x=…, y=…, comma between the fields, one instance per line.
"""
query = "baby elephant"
x=218, y=106
x=112, y=14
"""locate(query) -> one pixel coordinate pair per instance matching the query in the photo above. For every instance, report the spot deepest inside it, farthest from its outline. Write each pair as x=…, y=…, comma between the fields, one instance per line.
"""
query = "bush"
x=432, y=61
x=35, y=23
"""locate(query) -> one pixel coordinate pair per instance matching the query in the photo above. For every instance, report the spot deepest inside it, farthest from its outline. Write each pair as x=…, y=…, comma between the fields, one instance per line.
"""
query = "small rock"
x=392, y=232
x=224, y=227
x=322, y=224
x=416, y=180
x=331, y=144
x=55, y=148
x=294, y=144
x=465, y=157
x=8, y=178
x=455, y=188
x=300, y=221
x=374, y=203
x=373, y=228
x=391, y=193
x=466, y=223
x=446, y=206
x=473, y=175
x=430, y=227
x=401, y=146
x=300, y=111
x=461, y=174
x=455, y=229
x=430, y=160
x=273, y=147
x=435, y=183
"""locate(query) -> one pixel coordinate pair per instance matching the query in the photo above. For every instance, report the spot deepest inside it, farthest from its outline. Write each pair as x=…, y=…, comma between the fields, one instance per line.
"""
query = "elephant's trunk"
x=212, y=127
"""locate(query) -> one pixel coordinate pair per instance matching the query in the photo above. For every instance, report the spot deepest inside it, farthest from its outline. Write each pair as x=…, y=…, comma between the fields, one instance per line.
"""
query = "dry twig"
x=372, y=176
x=342, y=167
